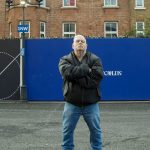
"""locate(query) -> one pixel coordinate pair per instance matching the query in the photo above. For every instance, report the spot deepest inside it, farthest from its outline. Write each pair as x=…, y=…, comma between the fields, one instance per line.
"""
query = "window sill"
x=140, y=32
x=72, y=7
x=139, y=8
x=111, y=7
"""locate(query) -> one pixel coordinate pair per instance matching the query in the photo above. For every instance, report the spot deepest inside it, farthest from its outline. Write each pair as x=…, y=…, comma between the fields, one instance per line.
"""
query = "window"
x=69, y=3
x=26, y=2
x=140, y=28
x=139, y=3
x=42, y=29
x=69, y=30
x=110, y=3
x=27, y=34
x=43, y=3
x=111, y=29
x=30, y=2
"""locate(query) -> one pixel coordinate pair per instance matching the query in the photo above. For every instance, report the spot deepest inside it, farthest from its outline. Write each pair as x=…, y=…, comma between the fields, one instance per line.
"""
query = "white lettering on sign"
x=113, y=73
x=23, y=28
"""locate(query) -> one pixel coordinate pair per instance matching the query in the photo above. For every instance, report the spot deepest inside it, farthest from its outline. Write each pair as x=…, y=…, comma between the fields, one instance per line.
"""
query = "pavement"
x=37, y=126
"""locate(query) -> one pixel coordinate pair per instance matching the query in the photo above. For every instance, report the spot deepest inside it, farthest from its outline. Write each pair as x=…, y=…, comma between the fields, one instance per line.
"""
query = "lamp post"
x=23, y=93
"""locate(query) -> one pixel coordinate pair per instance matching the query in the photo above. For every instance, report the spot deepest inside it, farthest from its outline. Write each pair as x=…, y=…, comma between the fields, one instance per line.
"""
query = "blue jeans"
x=91, y=115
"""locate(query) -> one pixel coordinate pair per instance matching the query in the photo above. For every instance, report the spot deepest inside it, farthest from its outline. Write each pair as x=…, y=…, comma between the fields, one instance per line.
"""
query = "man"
x=81, y=72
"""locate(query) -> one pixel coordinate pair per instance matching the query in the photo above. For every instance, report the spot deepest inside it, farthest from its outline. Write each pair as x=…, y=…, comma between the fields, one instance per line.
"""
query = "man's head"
x=79, y=45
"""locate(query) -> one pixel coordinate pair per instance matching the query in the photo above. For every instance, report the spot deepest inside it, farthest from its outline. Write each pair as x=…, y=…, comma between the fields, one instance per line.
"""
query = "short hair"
x=77, y=36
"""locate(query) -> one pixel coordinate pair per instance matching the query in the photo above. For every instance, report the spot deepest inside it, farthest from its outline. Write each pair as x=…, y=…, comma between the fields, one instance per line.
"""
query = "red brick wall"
x=89, y=17
x=3, y=17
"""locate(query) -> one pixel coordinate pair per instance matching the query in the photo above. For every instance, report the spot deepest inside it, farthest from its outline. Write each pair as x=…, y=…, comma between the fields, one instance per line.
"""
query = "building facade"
x=66, y=18
x=140, y=16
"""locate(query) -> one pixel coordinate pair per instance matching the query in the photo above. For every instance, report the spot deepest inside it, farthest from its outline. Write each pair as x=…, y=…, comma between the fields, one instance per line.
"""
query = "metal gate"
x=9, y=69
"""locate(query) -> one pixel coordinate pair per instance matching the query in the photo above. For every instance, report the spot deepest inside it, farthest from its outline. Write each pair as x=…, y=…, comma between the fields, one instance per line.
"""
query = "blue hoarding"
x=125, y=61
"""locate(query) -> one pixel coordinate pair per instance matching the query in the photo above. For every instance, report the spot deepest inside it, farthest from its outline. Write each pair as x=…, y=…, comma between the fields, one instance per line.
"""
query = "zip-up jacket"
x=81, y=85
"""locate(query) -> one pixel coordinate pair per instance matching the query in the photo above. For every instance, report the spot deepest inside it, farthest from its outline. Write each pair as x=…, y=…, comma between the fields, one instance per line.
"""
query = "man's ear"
x=86, y=46
x=72, y=45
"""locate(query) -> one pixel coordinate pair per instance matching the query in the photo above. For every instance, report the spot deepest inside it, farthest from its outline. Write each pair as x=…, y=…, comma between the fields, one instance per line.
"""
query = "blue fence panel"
x=125, y=61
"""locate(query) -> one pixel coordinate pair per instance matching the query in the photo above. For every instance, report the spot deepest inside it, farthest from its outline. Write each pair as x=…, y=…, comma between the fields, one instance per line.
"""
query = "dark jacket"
x=81, y=79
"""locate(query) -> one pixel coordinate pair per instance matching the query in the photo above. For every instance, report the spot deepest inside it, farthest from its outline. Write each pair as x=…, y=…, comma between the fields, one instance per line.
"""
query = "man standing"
x=81, y=72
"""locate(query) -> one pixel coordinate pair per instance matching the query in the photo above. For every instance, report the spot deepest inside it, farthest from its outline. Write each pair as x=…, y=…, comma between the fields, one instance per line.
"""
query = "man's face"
x=79, y=43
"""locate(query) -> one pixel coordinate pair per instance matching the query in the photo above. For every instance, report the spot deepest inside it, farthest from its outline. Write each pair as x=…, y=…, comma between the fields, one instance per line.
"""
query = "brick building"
x=65, y=18
x=140, y=15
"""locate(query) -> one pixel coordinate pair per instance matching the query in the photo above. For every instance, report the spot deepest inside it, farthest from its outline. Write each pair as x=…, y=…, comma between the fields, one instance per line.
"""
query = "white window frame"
x=20, y=23
x=43, y=3
x=110, y=3
x=68, y=33
x=69, y=5
x=143, y=25
x=139, y=7
x=111, y=32
x=136, y=4
x=43, y=32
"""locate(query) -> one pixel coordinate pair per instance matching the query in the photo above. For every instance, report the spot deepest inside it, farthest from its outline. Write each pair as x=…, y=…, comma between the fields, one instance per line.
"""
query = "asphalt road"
x=37, y=126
